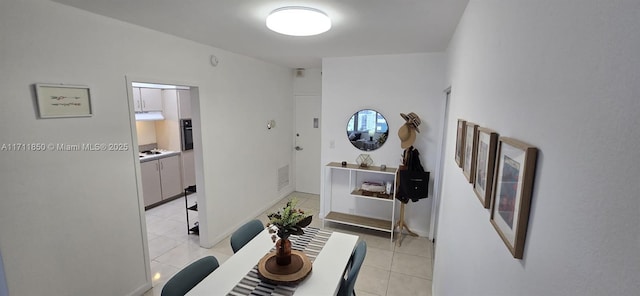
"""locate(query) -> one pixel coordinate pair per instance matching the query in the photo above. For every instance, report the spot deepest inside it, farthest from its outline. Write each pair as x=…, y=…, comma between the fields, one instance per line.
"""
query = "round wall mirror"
x=367, y=130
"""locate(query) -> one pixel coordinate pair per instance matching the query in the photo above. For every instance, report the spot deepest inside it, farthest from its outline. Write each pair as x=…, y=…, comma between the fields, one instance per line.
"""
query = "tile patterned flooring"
x=388, y=269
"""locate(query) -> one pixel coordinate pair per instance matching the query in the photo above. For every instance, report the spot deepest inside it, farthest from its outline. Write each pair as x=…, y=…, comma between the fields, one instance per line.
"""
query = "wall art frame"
x=469, y=158
x=60, y=100
x=460, y=142
x=487, y=141
x=512, y=190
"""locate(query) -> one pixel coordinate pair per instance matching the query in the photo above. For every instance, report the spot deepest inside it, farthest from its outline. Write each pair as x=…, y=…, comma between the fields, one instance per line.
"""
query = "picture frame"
x=59, y=100
x=460, y=142
x=469, y=158
x=512, y=190
x=487, y=141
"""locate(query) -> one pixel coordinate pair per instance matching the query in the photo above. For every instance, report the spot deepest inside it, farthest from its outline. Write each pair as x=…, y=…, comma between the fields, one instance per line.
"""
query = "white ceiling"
x=360, y=27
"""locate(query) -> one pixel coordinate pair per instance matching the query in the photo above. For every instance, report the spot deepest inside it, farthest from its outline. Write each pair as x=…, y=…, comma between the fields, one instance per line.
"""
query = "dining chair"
x=187, y=278
x=245, y=233
x=353, y=268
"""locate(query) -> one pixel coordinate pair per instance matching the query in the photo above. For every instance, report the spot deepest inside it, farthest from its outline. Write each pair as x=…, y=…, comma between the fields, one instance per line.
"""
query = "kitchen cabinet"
x=177, y=106
x=344, y=201
x=184, y=104
x=150, y=174
x=147, y=99
x=161, y=179
x=170, y=177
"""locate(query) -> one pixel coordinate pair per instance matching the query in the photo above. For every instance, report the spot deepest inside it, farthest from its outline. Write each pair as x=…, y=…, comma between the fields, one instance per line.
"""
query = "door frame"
x=197, y=138
x=437, y=192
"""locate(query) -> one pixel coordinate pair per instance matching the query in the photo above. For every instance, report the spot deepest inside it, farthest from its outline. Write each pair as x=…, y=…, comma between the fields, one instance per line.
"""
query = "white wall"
x=70, y=221
x=390, y=84
x=146, y=132
x=561, y=75
x=241, y=157
x=310, y=83
x=3, y=280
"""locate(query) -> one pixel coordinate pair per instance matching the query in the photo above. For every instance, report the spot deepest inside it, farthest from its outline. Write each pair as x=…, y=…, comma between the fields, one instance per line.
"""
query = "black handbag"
x=413, y=185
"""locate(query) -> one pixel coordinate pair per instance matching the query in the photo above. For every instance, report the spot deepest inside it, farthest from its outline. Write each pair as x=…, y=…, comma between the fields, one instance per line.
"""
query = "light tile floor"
x=388, y=269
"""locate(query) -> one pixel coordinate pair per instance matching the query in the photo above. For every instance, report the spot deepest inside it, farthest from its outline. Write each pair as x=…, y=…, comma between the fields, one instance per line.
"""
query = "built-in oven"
x=186, y=131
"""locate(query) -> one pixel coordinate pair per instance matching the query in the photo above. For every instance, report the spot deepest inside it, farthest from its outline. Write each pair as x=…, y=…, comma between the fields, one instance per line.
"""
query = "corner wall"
x=390, y=84
x=70, y=221
x=563, y=76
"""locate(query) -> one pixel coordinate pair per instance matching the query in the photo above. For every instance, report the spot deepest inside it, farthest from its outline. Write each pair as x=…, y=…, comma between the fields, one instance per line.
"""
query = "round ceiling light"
x=298, y=21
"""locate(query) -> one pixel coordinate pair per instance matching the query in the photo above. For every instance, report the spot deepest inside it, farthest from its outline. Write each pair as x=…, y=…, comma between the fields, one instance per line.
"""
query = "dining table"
x=329, y=251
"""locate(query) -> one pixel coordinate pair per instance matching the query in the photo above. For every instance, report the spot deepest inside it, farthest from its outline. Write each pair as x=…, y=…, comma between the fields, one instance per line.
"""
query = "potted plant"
x=284, y=223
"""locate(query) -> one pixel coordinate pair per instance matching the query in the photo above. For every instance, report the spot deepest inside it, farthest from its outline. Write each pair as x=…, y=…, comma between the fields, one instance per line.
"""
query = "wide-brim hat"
x=407, y=136
x=412, y=119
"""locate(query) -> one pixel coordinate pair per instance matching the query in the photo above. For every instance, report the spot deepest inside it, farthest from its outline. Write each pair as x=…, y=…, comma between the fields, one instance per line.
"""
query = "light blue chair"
x=353, y=268
x=187, y=278
x=245, y=233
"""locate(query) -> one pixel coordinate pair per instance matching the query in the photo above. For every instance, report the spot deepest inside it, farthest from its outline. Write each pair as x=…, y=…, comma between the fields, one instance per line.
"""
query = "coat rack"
x=401, y=224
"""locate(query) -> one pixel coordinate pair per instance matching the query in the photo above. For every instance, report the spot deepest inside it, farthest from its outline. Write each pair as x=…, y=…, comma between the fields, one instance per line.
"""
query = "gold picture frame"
x=59, y=100
x=512, y=190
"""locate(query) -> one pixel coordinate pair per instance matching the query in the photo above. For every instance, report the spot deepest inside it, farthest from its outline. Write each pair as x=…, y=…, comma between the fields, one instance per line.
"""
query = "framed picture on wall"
x=469, y=158
x=512, y=189
x=57, y=100
x=460, y=142
x=487, y=141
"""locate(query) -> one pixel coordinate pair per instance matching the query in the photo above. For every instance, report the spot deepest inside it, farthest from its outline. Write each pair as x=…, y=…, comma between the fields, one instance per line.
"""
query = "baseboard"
x=224, y=235
x=141, y=290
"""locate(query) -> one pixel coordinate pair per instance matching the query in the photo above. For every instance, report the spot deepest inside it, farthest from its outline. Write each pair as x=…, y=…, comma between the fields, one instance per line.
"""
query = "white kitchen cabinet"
x=344, y=201
x=168, y=130
x=184, y=104
x=170, y=176
x=151, y=99
x=137, y=100
x=161, y=179
x=150, y=174
x=177, y=105
x=147, y=99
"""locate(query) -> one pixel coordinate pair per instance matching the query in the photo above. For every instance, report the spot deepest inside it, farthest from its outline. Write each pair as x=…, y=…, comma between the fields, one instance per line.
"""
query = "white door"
x=307, y=143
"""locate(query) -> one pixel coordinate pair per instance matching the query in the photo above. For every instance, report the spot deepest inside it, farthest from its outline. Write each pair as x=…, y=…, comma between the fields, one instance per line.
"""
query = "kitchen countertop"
x=162, y=154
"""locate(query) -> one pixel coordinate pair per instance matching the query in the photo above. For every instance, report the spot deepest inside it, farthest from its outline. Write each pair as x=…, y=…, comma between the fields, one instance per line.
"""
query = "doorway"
x=307, y=143
x=167, y=168
x=435, y=212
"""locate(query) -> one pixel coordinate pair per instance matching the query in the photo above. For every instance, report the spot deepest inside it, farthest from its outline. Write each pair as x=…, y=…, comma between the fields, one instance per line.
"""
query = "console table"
x=343, y=200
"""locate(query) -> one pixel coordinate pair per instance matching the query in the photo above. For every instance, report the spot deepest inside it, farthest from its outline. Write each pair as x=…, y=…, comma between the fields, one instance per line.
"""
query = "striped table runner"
x=311, y=243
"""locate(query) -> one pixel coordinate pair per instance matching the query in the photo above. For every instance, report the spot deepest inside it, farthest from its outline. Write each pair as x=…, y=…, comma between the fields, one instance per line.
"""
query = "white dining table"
x=324, y=279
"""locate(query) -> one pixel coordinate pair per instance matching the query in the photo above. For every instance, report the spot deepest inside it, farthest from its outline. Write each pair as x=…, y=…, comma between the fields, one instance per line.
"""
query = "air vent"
x=283, y=177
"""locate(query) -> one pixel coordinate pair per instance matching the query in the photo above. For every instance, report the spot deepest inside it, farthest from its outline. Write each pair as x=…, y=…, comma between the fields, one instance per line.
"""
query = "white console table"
x=344, y=202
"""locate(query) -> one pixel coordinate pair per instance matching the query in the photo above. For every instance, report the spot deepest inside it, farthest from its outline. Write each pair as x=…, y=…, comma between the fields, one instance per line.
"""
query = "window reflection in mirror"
x=367, y=130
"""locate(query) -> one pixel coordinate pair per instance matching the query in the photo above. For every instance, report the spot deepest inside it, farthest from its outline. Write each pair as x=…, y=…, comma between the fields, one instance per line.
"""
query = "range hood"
x=149, y=116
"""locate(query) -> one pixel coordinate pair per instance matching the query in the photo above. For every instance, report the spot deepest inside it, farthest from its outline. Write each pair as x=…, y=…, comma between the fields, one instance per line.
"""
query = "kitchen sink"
x=150, y=152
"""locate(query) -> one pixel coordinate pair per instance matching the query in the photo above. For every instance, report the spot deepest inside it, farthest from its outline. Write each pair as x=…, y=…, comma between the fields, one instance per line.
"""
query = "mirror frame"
x=377, y=138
